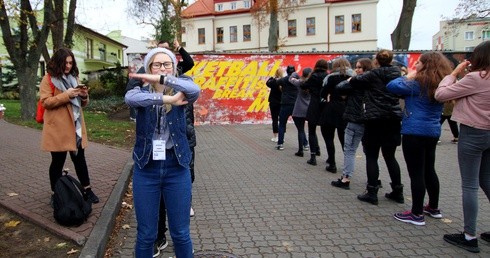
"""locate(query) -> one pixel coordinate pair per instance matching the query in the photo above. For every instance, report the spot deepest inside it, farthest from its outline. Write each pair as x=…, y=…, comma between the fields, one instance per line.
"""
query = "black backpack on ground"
x=70, y=207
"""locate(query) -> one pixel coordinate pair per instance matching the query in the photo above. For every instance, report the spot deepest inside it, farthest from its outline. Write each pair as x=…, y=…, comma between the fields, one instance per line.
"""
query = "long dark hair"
x=320, y=66
x=56, y=65
x=435, y=67
x=480, y=59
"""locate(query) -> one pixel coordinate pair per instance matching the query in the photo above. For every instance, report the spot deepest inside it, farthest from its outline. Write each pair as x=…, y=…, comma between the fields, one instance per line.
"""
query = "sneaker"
x=340, y=184
x=159, y=246
x=460, y=241
x=90, y=196
x=409, y=217
x=434, y=213
x=279, y=147
x=275, y=139
x=485, y=236
x=192, y=212
x=306, y=148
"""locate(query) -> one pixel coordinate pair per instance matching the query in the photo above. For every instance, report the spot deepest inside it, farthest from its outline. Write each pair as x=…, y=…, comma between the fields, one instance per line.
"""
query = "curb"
x=97, y=241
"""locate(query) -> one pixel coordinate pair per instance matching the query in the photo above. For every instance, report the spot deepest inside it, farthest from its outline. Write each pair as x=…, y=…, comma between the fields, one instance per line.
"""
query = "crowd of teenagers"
x=383, y=106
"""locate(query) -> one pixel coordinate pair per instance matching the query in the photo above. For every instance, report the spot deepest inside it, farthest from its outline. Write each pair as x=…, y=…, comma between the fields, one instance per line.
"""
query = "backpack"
x=70, y=208
x=40, y=107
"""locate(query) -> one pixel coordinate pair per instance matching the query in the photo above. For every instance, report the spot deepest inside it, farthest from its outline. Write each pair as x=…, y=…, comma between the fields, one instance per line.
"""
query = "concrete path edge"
x=99, y=237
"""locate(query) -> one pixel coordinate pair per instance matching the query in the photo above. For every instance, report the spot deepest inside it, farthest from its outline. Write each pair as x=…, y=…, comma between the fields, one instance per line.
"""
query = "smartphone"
x=81, y=86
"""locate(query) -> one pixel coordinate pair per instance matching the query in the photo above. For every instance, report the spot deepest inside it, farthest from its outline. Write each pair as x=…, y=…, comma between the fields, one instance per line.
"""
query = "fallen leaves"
x=12, y=224
x=72, y=251
x=12, y=194
x=126, y=226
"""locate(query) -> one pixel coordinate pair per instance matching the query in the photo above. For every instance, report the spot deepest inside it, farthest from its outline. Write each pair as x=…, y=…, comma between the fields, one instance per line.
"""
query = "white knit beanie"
x=156, y=51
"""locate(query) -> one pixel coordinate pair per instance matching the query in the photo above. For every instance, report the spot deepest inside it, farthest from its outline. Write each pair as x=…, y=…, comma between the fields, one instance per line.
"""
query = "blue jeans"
x=284, y=114
x=353, y=136
x=168, y=179
x=474, y=166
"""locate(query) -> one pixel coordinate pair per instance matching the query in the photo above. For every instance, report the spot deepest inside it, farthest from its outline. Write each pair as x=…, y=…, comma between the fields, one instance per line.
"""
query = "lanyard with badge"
x=159, y=144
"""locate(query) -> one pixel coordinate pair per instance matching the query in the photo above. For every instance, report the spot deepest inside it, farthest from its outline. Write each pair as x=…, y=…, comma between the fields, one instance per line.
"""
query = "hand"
x=411, y=75
x=83, y=92
x=176, y=45
x=145, y=77
x=73, y=92
x=460, y=69
x=178, y=99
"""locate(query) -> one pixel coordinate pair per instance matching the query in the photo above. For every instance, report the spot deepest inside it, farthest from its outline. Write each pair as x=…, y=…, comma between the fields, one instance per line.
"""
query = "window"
x=469, y=48
x=201, y=36
x=485, y=35
x=183, y=30
x=339, y=24
x=246, y=4
x=468, y=35
x=219, y=35
x=247, y=34
x=233, y=34
x=233, y=5
x=310, y=26
x=102, y=51
x=90, y=45
x=291, y=28
x=356, y=22
x=219, y=7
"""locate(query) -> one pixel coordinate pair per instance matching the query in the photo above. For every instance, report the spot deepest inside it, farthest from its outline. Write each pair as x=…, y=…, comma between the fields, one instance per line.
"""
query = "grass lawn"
x=100, y=128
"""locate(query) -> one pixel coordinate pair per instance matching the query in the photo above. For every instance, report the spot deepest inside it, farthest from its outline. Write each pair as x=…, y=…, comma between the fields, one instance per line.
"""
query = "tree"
x=165, y=19
x=400, y=38
x=25, y=40
x=472, y=8
x=273, y=9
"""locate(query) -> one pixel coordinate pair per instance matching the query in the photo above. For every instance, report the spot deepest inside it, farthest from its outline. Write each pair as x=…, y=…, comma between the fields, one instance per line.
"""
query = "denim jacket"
x=146, y=119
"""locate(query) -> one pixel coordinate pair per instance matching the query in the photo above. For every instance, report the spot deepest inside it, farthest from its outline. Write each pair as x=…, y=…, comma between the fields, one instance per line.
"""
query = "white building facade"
x=315, y=25
x=461, y=35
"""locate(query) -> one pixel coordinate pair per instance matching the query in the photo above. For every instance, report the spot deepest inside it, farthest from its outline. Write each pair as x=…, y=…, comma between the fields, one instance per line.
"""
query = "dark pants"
x=420, y=155
x=299, y=122
x=58, y=161
x=328, y=133
x=285, y=112
x=453, y=125
x=382, y=135
x=312, y=138
x=275, y=109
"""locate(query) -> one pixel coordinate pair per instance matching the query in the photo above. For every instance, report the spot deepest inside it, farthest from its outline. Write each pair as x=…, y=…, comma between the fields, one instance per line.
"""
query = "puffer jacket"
x=289, y=91
x=190, y=130
x=380, y=104
x=354, y=104
x=421, y=116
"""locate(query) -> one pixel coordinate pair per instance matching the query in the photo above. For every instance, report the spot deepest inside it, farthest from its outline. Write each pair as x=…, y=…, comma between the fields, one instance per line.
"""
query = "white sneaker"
x=274, y=139
x=192, y=212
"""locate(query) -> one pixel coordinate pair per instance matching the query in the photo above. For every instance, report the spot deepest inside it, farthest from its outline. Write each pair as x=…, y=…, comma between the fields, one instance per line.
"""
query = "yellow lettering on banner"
x=233, y=94
x=235, y=68
x=277, y=65
x=221, y=82
x=200, y=81
x=263, y=69
x=250, y=69
x=198, y=66
x=249, y=94
x=210, y=69
x=210, y=84
x=222, y=67
x=264, y=93
x=232, y=81
x=259, y=105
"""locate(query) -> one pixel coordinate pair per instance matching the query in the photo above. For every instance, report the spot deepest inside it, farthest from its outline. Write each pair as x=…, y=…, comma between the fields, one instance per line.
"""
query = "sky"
x=105, y=16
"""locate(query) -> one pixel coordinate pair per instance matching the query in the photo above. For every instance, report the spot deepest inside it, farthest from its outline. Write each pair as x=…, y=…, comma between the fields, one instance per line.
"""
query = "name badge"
x=159, y=150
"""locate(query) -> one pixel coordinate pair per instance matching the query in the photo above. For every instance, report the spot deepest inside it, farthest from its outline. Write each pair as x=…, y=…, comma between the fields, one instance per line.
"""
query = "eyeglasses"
x=158, y=65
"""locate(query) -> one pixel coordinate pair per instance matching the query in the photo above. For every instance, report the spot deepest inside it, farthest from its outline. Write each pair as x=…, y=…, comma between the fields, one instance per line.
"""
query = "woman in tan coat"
x=64, y=127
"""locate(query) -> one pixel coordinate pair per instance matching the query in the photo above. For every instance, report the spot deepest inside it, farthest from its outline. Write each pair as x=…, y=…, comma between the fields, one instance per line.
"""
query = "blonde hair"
x=341, y=65
x=279, y=73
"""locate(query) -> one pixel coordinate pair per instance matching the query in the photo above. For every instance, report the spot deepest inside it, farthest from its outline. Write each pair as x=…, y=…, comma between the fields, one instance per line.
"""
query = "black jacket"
x=314, y=86
x=380, y=104
x=334, y=108
x=354, y=111
x=289, y=91
x=275, y=93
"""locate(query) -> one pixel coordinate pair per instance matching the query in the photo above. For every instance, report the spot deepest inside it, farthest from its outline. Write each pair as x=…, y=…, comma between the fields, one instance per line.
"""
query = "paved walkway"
x=254, y=201
x=250, y=199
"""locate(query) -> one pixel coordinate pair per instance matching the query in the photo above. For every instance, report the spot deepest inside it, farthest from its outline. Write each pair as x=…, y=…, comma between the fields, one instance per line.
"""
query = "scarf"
x=63, y=84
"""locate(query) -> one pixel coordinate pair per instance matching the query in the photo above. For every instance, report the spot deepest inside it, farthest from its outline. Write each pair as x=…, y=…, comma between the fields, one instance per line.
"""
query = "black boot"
x=312, y=160
x=299, y=153
x=331, y=168
x=397, y=194
x=371, y=195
